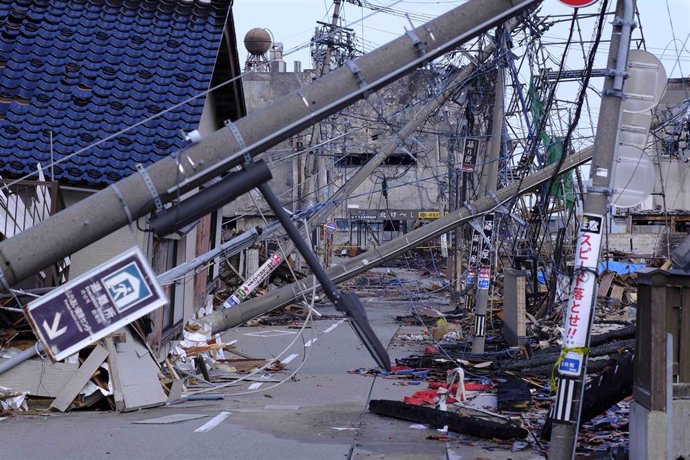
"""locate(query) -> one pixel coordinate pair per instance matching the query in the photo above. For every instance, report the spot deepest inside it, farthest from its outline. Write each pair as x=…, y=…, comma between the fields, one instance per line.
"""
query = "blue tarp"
x=620, y=268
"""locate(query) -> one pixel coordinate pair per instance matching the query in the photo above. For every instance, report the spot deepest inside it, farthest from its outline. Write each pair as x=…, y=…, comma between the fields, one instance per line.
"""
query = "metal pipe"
x=20, y=357
x=627, y=24
x=227, y=249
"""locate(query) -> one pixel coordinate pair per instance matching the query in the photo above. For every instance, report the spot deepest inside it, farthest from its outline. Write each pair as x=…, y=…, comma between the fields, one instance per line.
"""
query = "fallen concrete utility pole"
x=120, y=204
x=435, y=418
x=231, y=317
x=227, y=249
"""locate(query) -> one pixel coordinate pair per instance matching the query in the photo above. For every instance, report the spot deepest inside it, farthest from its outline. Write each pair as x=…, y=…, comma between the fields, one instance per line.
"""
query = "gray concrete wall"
x=643, y=244
x=648, y=432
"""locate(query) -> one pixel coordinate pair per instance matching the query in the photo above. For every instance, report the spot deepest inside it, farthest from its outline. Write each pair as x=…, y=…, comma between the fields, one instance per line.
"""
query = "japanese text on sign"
x=580, y=303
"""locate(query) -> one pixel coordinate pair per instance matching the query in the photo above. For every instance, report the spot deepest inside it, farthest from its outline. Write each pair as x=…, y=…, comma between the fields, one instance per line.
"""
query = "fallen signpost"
x=95, y=304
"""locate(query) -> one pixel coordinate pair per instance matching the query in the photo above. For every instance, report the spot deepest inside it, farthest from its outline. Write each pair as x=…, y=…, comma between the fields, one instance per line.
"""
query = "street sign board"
x=330, y=228
x=95, y=304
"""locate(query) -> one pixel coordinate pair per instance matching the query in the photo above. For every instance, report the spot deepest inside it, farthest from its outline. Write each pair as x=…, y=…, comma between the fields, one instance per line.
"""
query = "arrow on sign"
x=52, y=331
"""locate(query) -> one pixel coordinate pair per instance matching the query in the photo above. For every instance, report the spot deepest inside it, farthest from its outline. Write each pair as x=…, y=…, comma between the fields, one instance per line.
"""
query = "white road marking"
x=214, y=422
x=255, y=386
x=271, y=333
x=311, y=342
x=290, y=358
x=452, y=453
x=334, y=326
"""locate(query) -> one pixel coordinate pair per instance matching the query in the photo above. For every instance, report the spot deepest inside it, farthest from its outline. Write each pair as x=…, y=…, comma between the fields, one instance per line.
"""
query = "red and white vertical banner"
x=582, y=296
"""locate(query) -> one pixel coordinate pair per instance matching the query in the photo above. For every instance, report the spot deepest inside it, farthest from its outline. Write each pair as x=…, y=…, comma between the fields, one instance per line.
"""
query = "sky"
x=665, y=24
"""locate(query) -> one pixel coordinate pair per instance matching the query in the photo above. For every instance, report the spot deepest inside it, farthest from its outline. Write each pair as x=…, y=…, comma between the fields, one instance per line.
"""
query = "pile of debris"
x=120, y=372
x=505, y=393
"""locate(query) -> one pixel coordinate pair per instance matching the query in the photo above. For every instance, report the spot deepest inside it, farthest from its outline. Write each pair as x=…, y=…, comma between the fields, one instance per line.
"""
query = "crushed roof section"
x=83, y=70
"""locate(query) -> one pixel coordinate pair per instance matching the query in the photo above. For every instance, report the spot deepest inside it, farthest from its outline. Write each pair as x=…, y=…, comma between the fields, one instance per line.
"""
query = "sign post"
x=254, y=281
x=95, y=304
x=572, y=363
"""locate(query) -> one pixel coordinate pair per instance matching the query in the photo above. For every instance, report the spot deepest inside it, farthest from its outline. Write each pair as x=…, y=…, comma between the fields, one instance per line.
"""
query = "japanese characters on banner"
x=474, y=258
x=485, y=259
x=582, y=296
x=253, y=281
x=470, y=158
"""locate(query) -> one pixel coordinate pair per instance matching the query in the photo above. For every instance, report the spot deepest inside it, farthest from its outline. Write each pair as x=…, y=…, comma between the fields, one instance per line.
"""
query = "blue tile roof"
x=86, y=69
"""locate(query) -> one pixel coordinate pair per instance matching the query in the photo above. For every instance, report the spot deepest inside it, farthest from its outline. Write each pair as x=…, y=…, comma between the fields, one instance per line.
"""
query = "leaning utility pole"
x=135, y=196
x=572, y=364
x=392, y=144
x=487, y=185
x=285, y=295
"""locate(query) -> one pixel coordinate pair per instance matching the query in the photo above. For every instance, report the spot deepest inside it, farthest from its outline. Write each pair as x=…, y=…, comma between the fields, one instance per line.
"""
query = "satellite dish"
x=634, y=177
x=634, y=128
x=646, y=82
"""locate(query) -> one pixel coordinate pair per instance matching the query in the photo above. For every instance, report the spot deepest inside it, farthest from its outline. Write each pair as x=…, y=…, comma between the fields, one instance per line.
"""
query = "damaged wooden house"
x=92, y=92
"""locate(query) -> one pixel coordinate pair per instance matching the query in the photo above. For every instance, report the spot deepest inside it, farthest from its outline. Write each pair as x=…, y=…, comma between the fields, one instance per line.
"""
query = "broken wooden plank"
x=474, y=426
x=38, y=377
x=138, y=376
x=605, y=281
x=118, y=392
x=80, y=378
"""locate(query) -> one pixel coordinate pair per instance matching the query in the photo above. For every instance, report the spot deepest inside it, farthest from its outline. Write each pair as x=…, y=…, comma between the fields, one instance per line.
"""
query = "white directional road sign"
x=95, y=304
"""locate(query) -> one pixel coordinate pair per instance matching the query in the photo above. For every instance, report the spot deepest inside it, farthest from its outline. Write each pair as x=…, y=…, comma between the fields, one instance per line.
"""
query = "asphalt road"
x=320, y=413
